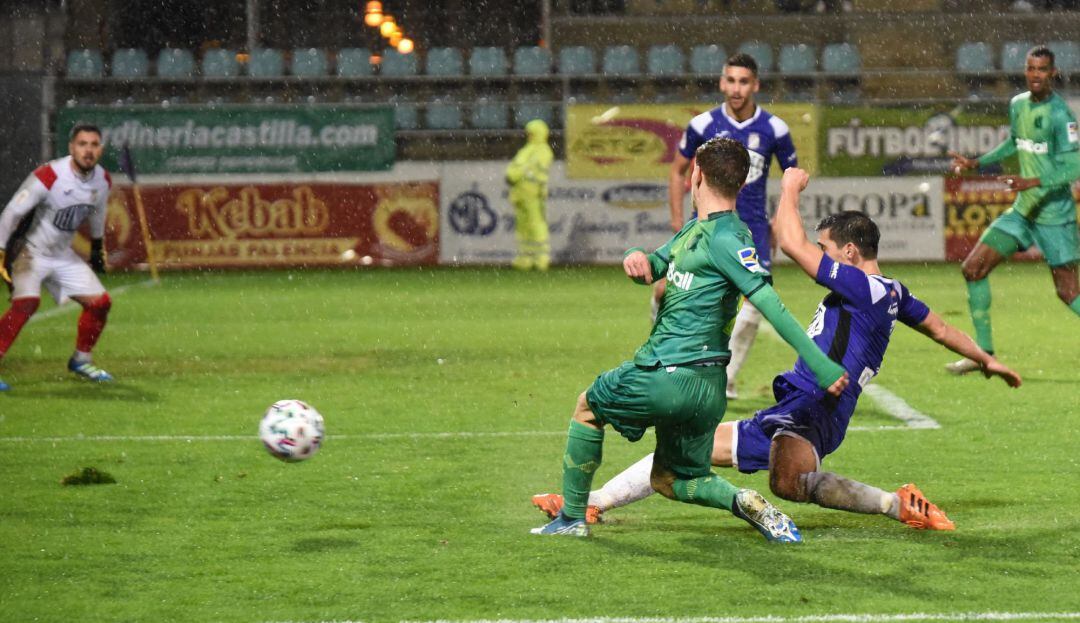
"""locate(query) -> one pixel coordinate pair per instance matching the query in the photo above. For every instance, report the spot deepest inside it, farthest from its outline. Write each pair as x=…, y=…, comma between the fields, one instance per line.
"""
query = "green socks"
x=584, y=450
x=979, y=304
x=712, y=491
x=1075, y=306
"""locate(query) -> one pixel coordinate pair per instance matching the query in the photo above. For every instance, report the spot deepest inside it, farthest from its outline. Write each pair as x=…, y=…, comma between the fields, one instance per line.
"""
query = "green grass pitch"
x=402, y=516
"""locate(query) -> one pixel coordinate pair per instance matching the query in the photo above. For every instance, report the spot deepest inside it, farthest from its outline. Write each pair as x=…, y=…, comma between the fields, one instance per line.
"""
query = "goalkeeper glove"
x=3, y=267
x=97, y=257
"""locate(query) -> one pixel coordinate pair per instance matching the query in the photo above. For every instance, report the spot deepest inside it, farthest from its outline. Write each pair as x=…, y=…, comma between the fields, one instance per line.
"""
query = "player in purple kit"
x=765, y=136
x=853, y=324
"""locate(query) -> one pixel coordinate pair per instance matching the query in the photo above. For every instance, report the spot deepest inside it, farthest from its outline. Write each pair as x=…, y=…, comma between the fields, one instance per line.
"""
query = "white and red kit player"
x=36, y=229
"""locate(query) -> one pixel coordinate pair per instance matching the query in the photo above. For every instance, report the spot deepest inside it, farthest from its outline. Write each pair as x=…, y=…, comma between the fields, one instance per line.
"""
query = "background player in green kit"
x=676, y=381
x=1044, y=137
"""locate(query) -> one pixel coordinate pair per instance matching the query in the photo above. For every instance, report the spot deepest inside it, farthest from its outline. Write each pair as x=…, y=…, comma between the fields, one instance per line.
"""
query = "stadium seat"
x=665, y=60
x=1066, y=55
x=445, y=62
x=354, y=62
x=841, y=59
x=444, y=114
x=707, y=59
x=797, y=58
x=489, y=114
x=175, y=63
x=308, y=62
x=762, y=53
x=395, y=63
x=85, y=64
x=532, y=61
x=533, y=106
x=1014, y=56
x=488, y=62
x=577, y=61
x=974, y=57
x=130, y=63
x=621, y=60
x=266, y=63
x=220, y=63
x=406, y=116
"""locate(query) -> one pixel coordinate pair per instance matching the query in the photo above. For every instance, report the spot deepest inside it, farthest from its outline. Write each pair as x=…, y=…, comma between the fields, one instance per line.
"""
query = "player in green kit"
x=676, y=382
x=1045, y=138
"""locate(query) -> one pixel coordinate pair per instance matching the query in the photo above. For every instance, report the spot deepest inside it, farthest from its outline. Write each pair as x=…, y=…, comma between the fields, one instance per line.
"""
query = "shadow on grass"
x=78, y=390
x=324, y=544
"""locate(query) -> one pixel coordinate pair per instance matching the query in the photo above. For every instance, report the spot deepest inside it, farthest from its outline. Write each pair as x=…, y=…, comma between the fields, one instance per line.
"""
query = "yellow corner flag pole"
x=128, y=166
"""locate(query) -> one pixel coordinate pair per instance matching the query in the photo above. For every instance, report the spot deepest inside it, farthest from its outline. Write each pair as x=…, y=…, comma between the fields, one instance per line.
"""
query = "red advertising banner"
x=971, y=204
x=277, y=225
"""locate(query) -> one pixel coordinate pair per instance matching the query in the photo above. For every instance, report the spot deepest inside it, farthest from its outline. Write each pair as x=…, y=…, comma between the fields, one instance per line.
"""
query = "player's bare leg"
x=91, y=323
x=742, y=338
x=1067, y=284
x=976, y=269
x=794, y=476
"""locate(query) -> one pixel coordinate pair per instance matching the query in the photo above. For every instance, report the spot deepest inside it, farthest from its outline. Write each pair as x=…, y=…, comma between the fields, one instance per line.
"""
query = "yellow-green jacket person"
x=527, y=176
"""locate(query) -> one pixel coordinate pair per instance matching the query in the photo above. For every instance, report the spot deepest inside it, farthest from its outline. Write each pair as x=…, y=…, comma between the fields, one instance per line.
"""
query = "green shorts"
x=684, y=403
x=1011, y=232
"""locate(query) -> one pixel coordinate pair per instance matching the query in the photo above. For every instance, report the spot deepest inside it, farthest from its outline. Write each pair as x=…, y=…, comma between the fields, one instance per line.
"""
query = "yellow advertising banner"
x=639, y=141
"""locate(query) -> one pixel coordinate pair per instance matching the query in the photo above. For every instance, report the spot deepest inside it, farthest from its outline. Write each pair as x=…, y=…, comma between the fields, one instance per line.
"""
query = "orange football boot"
x=552, y=503
x=917, y=512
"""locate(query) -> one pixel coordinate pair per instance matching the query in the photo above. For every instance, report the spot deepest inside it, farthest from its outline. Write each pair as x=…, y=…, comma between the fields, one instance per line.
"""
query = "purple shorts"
x=759, y=231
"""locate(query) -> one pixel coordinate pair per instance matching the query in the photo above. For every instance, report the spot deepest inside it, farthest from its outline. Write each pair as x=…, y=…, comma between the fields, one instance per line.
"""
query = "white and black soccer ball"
x=292, y=430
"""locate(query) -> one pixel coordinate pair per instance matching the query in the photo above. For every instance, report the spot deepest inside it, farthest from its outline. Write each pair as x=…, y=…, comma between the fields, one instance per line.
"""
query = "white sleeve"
x=30, y=194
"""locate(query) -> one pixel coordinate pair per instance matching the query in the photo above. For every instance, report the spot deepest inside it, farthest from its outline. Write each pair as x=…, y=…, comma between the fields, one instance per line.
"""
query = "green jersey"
x=709, y=264
x=1041, y=132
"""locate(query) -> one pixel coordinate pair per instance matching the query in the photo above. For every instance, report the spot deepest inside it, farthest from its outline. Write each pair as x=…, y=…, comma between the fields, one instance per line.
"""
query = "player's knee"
x=663, y=482
x=1067, y=294
x=973, y=270
x=99, y=306
x=582, y=412
x=26, y=306
x=787, y=486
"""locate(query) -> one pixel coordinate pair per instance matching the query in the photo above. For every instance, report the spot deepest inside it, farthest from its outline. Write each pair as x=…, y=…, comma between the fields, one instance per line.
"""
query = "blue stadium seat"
x=395, y=63
x=406, y=116
x=762, y=53
x=488, y=62
x=175, y=63
x=665, y=60
x=489, y=115
x=308, y=62
x=85, y=64
x=354, y=62
x=445, y=62
x=974, y=57
x=1014, y=56
x=444, y=114
x=266, y=63
x=130, y=63
x=533, y=106
x=532, y=61
x=797, y=58
x=841, y=59
x=577, y=61
x=1066, y=55
x=621, y=60
x=220, y=63
x=707, y=59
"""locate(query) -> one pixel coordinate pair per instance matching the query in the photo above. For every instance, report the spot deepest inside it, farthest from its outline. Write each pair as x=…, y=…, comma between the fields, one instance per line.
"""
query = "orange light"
x=394, y=39
x=375, y=59
x=374, y=6
x=373, y=19
x=405, y=46
x=388, y=26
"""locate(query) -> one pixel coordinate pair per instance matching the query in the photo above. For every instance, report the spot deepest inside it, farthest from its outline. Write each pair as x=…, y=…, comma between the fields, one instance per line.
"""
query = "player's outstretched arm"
x=677, y=190
x=788, y=226
x=958, y=342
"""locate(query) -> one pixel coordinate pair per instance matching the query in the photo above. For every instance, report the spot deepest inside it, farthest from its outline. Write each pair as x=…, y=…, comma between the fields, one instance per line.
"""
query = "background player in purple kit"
x=853, y=324
x=764, y=136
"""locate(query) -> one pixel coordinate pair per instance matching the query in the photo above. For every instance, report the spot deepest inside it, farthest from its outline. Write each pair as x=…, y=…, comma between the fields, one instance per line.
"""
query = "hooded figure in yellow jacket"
x=527, y=176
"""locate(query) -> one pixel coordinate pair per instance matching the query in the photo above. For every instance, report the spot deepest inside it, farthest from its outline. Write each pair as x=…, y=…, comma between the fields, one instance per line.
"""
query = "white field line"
x=892, y=404
x=815, y=618
x=71, y=306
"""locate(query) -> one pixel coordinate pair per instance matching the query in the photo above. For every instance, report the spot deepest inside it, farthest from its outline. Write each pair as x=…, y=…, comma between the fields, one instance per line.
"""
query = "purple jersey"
x=854, y=322
x=763, y=135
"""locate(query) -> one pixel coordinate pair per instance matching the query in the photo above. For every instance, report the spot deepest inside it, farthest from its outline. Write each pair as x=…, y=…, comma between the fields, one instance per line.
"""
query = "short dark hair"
x=742, y=59
x=83, y=127
x=724, y=163
x=854, y=227
x=1042, y=51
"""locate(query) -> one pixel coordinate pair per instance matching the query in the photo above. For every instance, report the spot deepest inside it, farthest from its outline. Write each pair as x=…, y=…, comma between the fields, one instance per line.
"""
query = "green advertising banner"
x=240, y=139
x=870, y=141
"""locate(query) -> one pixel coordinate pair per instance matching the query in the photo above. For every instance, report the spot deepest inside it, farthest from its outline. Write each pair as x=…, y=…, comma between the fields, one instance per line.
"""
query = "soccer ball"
x=291, y=430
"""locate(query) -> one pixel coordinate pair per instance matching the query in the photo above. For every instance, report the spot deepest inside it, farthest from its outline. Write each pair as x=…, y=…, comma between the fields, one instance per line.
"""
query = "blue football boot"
x=4, y=386
x=769, y=521
x=565, y=526
x=89, y=371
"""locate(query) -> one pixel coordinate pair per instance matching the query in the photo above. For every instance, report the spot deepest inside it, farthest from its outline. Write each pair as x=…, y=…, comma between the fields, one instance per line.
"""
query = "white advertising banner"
x=591, y=221
x=595, y=221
